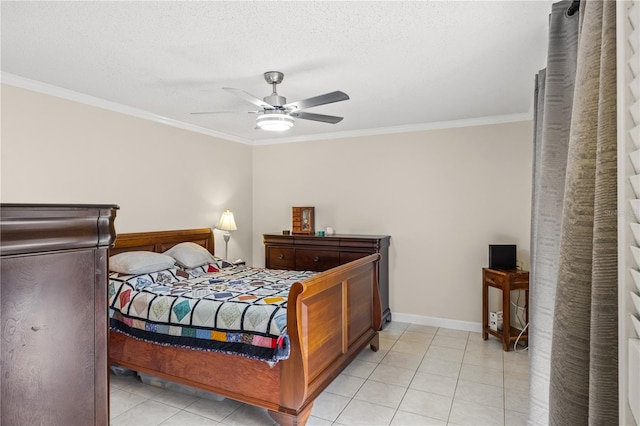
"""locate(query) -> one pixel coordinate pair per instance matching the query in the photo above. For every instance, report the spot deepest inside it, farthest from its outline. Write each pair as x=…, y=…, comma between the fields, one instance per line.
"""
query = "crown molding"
x=451, y=124
x=48, y=89
x=37, y=86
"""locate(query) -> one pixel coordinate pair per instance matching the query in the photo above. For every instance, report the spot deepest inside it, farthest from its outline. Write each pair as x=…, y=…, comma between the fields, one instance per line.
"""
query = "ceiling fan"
x=278, y=115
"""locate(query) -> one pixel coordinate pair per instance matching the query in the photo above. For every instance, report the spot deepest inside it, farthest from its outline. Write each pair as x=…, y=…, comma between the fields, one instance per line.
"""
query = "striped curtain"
x=583, y=367
x=553, y=103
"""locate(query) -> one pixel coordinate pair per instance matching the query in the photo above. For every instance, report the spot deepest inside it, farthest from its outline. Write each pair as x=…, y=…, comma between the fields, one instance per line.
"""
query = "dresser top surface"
x=336, y=236
x=37, y=206
x=38, y=228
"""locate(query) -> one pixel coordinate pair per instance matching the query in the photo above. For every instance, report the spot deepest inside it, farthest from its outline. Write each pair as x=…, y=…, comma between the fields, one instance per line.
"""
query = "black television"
x=502, y=256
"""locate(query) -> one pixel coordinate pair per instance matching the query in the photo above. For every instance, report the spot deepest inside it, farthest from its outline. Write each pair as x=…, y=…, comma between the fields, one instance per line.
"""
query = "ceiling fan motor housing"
x=275, y=100
x=274, y=78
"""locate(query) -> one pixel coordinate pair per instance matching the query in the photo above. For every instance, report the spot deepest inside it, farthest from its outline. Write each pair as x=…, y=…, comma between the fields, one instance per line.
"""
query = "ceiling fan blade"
x=249, y=97
x=209, y=112
x=221, y=112
x=327, y=98
x=317, y=117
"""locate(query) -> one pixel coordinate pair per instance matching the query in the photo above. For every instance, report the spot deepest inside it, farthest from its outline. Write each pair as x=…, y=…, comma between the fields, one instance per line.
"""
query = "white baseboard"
x=437, y=322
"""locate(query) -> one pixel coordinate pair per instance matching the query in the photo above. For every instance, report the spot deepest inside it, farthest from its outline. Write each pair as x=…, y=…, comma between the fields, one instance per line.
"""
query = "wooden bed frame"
x=331, y=317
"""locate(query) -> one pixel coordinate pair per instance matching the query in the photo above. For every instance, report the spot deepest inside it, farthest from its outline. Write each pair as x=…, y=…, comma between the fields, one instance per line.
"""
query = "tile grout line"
x=414, y=373
x=504, y=394
x=458, y=379
x=368, y=378
x=132, y=407
x=351, y=398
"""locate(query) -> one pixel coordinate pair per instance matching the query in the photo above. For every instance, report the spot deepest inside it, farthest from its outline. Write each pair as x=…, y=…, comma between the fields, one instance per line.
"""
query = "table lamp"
x=227, y=223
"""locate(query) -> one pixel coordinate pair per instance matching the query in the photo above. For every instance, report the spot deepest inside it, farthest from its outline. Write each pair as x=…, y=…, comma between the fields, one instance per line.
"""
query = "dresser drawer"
x=348, y=256
x=316, y=260
x=280, y=258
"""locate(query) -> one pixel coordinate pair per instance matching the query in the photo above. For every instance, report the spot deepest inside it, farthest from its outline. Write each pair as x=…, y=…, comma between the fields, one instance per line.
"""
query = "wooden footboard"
x=331, y=317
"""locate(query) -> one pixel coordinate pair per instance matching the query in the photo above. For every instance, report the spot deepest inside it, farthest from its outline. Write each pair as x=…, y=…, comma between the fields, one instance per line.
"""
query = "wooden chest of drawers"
x=312, y=253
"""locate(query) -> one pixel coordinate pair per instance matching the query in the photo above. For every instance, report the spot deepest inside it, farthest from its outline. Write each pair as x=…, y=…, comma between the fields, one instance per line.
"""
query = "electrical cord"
x=515, y=344
x=520, y=323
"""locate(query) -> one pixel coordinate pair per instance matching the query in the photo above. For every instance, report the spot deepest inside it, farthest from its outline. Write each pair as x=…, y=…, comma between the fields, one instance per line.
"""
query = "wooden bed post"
x=294, y=372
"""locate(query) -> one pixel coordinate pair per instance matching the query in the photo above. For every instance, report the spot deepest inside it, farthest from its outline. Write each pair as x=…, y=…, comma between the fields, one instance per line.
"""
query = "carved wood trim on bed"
x=331, y=317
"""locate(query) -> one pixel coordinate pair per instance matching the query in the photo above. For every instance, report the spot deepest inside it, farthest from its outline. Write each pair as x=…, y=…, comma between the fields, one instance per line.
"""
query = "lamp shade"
x=227, y=222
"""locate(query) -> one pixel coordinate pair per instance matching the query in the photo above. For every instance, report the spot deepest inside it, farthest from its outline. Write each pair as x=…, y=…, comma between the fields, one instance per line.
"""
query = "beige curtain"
x=584, y=351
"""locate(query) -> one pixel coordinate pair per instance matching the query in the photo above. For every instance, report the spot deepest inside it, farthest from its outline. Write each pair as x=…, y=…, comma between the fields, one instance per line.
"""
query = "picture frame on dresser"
x=302, y=220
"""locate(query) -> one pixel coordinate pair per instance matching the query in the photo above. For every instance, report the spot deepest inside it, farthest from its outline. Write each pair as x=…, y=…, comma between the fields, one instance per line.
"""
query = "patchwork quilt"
x=233, y=309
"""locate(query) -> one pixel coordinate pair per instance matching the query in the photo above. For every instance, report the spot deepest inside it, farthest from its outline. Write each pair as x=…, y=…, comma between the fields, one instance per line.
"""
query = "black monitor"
x=502, y=256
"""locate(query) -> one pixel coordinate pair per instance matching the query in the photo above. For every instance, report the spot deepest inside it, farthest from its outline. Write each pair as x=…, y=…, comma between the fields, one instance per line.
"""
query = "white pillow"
x=190, y=255
x=140, y=262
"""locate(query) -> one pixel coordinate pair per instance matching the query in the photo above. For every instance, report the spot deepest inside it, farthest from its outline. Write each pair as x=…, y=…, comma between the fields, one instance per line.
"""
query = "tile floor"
x=420, y=376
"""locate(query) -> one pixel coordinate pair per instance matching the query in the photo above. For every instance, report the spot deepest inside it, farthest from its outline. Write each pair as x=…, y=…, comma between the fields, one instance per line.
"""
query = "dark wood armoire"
x=53, y=313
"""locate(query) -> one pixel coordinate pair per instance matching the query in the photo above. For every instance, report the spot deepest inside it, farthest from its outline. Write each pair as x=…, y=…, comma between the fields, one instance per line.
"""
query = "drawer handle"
x=315, y=259
x=281, y=256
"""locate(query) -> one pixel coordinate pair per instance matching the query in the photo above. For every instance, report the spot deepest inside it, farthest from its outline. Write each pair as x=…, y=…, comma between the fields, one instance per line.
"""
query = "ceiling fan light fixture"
x=274, y=122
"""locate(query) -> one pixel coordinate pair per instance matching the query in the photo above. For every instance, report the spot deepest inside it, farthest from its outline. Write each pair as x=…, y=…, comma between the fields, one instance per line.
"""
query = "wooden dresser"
x=53, y=313
x=313, y=253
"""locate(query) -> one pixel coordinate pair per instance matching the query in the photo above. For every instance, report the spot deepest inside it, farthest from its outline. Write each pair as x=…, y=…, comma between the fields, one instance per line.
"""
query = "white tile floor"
x=420, y=376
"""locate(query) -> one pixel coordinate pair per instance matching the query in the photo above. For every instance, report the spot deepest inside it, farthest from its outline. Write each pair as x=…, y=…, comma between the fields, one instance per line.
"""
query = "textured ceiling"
x=404, y=64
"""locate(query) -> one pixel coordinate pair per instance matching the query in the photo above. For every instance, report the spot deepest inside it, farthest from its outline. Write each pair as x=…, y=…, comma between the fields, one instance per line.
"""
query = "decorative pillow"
x=140, y=262
x=216, y=266
x=190, y=255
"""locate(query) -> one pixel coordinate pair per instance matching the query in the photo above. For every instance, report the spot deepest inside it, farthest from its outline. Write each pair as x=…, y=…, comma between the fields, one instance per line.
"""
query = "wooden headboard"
x=161, y=241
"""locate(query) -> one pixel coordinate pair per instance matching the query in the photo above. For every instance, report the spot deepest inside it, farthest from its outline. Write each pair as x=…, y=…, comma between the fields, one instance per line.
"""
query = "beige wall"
x=442, y=195
x=58, y=151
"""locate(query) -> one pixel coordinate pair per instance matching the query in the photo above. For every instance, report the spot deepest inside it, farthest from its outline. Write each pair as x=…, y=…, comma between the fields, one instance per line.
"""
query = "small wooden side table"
x=505, y=280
